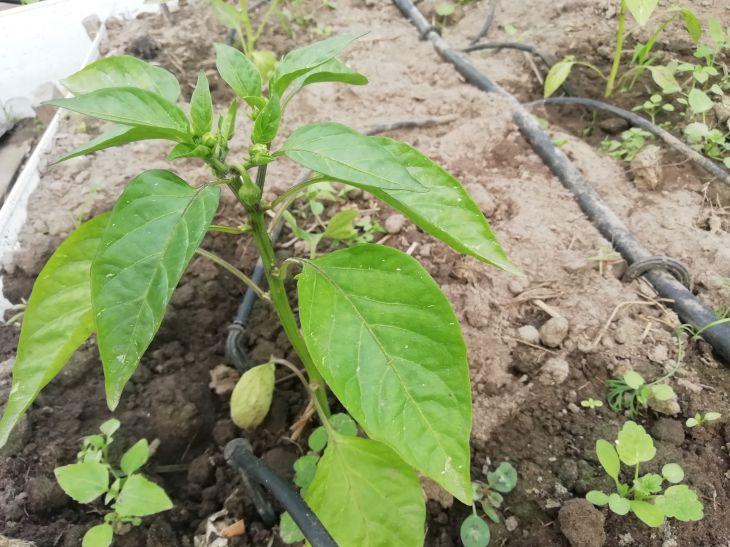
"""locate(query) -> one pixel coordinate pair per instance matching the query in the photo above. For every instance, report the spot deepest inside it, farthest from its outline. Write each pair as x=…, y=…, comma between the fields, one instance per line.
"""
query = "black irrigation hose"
x=256, y=474
x=689, y=309
x=634, y=119
x=546, y=58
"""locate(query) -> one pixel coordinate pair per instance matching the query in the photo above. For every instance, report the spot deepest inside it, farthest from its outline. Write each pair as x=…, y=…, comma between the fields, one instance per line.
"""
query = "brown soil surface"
x=526, y=397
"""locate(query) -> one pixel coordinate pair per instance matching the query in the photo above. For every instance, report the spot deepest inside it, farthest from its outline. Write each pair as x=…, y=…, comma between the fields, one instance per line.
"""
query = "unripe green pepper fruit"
x=251, y=398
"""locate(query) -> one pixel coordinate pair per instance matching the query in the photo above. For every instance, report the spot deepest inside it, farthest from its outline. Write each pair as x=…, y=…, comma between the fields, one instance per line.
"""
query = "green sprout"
x=699, y=419
x=591, y=403
x=643, y=497
x=631, y=393
x=130, y=496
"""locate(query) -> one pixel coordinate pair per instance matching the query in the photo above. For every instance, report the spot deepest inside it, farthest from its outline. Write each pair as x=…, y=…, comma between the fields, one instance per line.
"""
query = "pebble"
x=554, y=372
x=394, y=223
x=482, y=198
x=511, y=523
x=573, y=408
x=518, y=285
x=554, y=331
x=669, y=407
x=529, y=334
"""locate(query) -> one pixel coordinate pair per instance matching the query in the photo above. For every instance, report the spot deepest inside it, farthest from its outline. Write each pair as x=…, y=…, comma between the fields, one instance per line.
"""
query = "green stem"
x=265, y=19
x=280, y=300
x=229, y=229
x=250, y=37
x=619, y=49
x=298, y=188
x=246, y=280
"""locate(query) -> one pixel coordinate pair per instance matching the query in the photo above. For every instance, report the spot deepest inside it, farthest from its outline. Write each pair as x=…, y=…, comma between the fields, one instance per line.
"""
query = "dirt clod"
x=668, y=430
x=554, y=331
x=554, y=372
x=394, y=223
x=44, y=495
x=582, y=523
x=482, y=198
x=529, y=334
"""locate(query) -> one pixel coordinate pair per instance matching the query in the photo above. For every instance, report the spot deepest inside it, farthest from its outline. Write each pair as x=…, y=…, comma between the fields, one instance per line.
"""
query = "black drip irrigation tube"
x=610, y=226
x=259, y=479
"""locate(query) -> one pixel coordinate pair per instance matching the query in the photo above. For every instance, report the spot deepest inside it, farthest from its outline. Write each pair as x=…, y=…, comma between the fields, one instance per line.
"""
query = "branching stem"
x=246, y=280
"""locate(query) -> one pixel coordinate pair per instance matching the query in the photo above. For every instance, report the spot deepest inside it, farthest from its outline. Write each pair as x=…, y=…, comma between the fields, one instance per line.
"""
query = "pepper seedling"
x=631, y=393
x=643, y=496
x=698, y=420
x=130, y=496
x=373, y=326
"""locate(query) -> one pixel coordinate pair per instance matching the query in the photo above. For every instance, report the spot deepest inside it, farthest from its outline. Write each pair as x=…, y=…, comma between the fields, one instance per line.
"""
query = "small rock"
x=481, y=197
x=613, y=126
x=554, y=331
x=582, y=523
x=669, y=407
x=44, y=495
x=574, y=408
x=200, y=471
x=554, y=372
x=668, y=430
x=433, y=492
x=511, y=523
x=647, y=167
x=518, y=285
x=528, y=334
x=689, y=386
x=394, y=223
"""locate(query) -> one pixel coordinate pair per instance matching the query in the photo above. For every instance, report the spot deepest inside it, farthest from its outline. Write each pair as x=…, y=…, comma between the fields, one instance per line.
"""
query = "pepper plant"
x=373, y=326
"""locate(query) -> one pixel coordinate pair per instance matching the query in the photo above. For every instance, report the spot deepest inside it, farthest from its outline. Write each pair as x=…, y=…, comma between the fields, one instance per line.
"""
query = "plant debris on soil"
x=538, y=344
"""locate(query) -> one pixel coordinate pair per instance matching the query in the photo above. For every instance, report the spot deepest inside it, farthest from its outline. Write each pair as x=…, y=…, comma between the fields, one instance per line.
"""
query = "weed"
x=700, y=419
x=632, y=142
x=631, y=393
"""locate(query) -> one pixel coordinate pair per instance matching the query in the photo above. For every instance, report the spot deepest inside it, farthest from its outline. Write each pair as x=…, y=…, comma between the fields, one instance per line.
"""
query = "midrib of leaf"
x=389, y=361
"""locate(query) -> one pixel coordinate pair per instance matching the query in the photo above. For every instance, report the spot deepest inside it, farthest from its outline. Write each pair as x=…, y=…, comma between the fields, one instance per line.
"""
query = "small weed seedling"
x=591, y=403
x=474, y=530
x=373, y=326
x=631, y=143
x=699, y=419
x=130, y=496
x=631, y=393
x=643, y=496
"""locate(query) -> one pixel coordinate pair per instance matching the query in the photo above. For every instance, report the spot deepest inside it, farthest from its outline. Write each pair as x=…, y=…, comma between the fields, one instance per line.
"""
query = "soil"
x=526, y=391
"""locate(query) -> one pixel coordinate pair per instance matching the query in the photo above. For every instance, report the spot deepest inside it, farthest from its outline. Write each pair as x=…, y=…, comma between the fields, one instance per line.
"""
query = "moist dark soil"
x=526, y=392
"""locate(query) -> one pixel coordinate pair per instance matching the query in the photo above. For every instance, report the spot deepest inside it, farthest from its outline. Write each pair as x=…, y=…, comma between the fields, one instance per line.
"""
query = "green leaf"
x=474, y=532
x=696, y=132
x=647, y=513
x=110, y=427
x=141, y=497
x=503, y=479
x=238, y=71
x=343, y=154
x=100, y=535
x=681, y=503
x=597, y=497
x=692, y=24
x=692, y=422
x=398, y=361
x=154, y=229
x=332, y=71
x=662, y=392
x=266, y=125
x=343, y=424
x=130, y=106
x=445, y=210
x=318, y=439
x=712, y=416
x=673, y=473
x=664, y=77
x=633, y=379
x=490, y=512
x=651, y=483
x=57, y=320
x=619, y=505
x=608, y=458
x=445, y=9
x=699, y=102
x=340, y=226
x=366, y=496
x=227, y=124
x=83, y=482
x=557, y=75
x=641, y=9
x=201, y=106
x=300, y=61
x=304, y=470
x=495, y=498
x=123, y=71
x=187, y=150
x=634, y=444
x=288, y=529
x=117, y=136
x=716, y=32
x=135, y=457
x=227, y=15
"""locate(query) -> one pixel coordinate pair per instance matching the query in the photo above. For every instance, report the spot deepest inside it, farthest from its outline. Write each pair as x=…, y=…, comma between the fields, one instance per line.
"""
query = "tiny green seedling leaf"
x=651, y=483
x=141, y=497
x=490, y=512
x=608, y=458
x=692, y=422
x=445, y=9
x=557, y=75
x=251, y=398
x=597, y=497
x=83, y=482
x=618, y=504
x=304, y=470
x=503, y=479
x=591, y=403
x=664, y=77
x=474, y=532
x=712, y=416
x=288, y=529
x=662, y=392
x=340, y=227
x=343, y=424
x=681, y=503
x=135, y=457
x=100, y=535
x=634, y=444
x=673, y=473
x=318, y=439
x=699, y=102
x=633, y=379
x=110, y=427
x=692, y=24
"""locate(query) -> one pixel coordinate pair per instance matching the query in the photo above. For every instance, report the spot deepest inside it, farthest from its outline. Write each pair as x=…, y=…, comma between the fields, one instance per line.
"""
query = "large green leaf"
x=154, y=229
x=115, y=136
x=141, y=497
x=130, y=106
x=57, y=319
x=333, y=70
x=238, y=71
x=445, y=210
x=388, y=344
x=302, y=60
x=84, y=482
x=343, y=154
x=366, y=496
x=123, y=71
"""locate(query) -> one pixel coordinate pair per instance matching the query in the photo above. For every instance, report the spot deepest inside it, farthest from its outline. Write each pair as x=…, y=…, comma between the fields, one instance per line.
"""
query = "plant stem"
x=619, y=49
x=280, y=300
x=297, y=188
x=235, y=271
x=265, y=19
x=229, y=229
x=311, y=391
x=250, y=37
